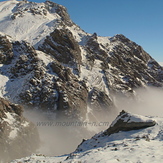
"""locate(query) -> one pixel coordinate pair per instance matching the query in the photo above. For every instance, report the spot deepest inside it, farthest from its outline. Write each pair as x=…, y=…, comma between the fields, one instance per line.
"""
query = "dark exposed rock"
x=121, y=70
x=80, y=79
x=18, y=137
x=126, y=122
x=72, y=93
x=126, y=59
x=6, y=53
x=26, y=62
x=49, y=87
x=99, y=99
x=62, y=45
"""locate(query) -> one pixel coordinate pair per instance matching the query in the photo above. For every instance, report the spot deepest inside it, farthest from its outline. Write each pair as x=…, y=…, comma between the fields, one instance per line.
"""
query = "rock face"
x=44, y=84
x=124, y=63
x=62, y=45
x=18, y=137
x=51, y=64
x=6, y=53
x=126, y=122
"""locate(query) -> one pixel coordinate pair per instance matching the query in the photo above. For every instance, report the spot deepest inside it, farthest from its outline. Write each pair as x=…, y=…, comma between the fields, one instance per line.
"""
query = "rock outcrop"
x=45, y=85
x=119, y=130
x=6, y=53
x=62, y=45
x=126, y=122
x=18, y=136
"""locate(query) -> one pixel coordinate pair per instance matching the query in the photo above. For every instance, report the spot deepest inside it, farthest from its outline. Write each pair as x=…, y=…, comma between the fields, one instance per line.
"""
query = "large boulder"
x=126, y=121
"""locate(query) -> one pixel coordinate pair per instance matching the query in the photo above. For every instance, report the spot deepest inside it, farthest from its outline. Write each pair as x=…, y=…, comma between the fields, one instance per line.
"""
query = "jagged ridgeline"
x=48, y=62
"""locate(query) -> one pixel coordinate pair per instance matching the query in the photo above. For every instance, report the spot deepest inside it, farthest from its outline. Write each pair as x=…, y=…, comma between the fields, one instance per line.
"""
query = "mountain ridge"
x=98, y=67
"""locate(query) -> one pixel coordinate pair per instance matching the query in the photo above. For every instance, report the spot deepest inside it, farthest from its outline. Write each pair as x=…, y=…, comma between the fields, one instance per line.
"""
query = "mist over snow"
x=61, y=135
x=148, y=102
x=143, y=145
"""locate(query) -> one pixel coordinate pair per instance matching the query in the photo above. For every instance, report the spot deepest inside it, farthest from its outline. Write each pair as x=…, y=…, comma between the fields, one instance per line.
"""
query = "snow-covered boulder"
x=123, y=122
x=126, y=121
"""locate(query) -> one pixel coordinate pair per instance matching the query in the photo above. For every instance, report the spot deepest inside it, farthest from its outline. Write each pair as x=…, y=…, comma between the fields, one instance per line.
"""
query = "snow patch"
x=44, y=57
x=3, y=80
x=161, y=63
x=11, y=121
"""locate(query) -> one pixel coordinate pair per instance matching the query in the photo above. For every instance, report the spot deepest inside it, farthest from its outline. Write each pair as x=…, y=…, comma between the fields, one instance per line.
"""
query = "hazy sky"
x=139, y=20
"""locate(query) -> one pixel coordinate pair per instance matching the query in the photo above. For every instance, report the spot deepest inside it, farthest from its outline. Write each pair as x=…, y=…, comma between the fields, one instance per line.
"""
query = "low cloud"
x=148, y=101
x=61, y=136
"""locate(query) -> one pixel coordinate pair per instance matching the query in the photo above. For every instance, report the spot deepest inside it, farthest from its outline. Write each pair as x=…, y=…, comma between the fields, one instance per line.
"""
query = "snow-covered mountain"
x=49, y=63
x=67, y=70
x=30, y=21
x=138, y=139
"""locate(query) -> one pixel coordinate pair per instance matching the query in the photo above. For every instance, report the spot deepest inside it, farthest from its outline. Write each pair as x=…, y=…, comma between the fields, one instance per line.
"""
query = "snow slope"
x=161, y=63
x=27, y=20
x=136, y=146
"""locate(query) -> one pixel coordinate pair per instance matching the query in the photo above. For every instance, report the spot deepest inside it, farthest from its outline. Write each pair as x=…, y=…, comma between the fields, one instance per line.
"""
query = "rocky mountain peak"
x=35, y=20
x=49, y=63
x=60, y=10
x=23, y=8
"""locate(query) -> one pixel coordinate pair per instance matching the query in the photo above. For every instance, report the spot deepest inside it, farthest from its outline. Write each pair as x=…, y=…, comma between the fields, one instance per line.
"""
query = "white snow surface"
x=26, y=26
x=136, y=146
x=161, y=63
x=4, y=80
x=11, y=121
x=44, y=57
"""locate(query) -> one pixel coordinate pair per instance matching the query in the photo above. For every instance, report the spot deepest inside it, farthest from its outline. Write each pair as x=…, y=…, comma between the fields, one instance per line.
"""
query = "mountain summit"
x=31, y=21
